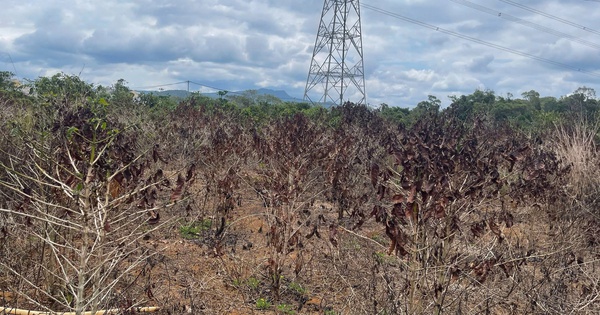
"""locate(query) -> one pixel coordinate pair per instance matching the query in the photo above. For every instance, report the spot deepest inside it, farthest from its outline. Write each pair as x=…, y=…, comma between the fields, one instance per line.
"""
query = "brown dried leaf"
x=114, y=188
x=495, y=228
x=509, y=219
x=412, y=194
x=374, y=174
x=333, y=235
x=191, y=172
x=119, y=177
x=478, y=228
x=154, y=217
x=398, y=198
x=157, y=176
x=157, y=156
x=178, y=191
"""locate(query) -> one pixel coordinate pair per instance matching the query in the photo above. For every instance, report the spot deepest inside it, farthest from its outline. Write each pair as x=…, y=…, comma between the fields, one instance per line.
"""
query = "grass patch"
x=193, y=230
x=297, y=288
x=263, y=304
x=252, y=283
x=285, y=309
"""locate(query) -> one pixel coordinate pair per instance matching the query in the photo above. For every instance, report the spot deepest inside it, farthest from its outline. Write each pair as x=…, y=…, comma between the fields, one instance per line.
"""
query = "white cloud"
x=240, y=44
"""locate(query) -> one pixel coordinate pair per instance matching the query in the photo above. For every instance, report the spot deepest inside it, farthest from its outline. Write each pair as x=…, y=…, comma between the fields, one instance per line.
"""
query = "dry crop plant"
x=291, y=154
x=358, y=143
x=81, y=201
x=224, y=155
x=438, y=204
x=215, y=140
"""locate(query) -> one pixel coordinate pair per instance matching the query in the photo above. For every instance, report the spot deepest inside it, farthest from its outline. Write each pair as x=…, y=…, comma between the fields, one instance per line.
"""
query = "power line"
x=527, y=23
x=479, y=41
x=556, y=18
x=159, y=86
x=182, y=82
x=214, y=88
x=12, y=62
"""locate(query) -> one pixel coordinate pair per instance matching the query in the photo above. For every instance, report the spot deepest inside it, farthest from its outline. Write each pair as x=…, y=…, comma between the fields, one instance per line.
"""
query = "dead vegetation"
x=205, y=212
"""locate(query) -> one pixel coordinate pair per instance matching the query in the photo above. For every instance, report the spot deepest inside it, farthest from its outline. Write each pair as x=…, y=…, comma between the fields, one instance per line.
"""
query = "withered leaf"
x=315, y=231
x=191, y=172
x=398, y=210
x=412, y=194
x=478, y=228
x=398, y=198
x=428, y=186
x=495, y=228
x=440, y=211
x=333, y=235
x=482, y=270
x=299, y=263
x=119, y=177
x=157, y=156
x=293, y=240
x=178, y=191
x=151, y=197
x=154, y=217
x=381, y=192
x=379, y=213
x=158, y=175
x=114, y=187
x=149, y=293
x=374, y=174
x=508, y=218
x=411, y=211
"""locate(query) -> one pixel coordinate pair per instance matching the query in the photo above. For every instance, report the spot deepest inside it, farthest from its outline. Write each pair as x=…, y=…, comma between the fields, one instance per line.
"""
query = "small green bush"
x=193, y=230
x=253, y=283
x=263, y=304
x=285, y=309
x=297, y=287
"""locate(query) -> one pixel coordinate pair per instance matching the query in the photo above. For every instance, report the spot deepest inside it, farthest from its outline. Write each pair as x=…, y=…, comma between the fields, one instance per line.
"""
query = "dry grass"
x=575, y=145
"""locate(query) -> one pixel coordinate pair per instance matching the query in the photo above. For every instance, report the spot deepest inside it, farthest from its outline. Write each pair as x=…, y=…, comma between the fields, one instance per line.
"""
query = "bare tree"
x=82, y=201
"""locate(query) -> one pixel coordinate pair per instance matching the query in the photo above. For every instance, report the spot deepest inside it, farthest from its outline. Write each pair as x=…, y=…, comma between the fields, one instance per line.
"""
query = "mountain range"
x=280, y=94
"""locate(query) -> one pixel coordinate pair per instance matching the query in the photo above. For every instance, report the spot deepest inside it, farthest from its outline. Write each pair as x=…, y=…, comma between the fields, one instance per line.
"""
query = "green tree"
x=121, y=94
x=581, y=103
x=62, y=89
x=551, y=104
x=479, y=103
x=430, y=107
x=393, y=114
x=6, y=80
x=533, y=98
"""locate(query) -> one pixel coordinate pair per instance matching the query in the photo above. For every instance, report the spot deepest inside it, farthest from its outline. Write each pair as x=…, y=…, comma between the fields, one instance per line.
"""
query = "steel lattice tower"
x=336, y=69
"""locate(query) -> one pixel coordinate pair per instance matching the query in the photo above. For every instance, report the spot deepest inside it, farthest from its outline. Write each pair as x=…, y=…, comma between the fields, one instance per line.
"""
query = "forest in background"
x=114, y=200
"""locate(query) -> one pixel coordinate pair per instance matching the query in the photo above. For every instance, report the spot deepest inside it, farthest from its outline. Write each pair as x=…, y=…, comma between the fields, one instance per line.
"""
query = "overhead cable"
x=479, y=41
x=184, y=82
x=159, y=86
x=527, y=23
x=556, y=18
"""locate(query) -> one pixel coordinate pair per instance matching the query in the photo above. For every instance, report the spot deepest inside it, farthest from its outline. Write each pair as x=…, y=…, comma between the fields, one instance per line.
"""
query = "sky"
x=413, y=49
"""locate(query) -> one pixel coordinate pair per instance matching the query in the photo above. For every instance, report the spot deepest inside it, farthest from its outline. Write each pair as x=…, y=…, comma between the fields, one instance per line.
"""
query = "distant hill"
x=280, y=94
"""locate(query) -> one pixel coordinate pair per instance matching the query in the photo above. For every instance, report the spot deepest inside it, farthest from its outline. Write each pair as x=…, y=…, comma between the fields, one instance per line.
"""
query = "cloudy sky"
x=413, y=49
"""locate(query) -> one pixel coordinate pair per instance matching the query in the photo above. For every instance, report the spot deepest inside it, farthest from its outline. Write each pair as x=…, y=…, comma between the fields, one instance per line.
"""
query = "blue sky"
x=250, y=44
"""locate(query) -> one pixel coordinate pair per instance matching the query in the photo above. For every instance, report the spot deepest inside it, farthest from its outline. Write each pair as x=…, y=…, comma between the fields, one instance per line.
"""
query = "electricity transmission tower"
x=336, y=70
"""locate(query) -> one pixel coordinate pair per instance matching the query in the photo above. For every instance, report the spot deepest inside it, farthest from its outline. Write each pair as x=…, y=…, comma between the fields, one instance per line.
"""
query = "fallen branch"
x=16, y=311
